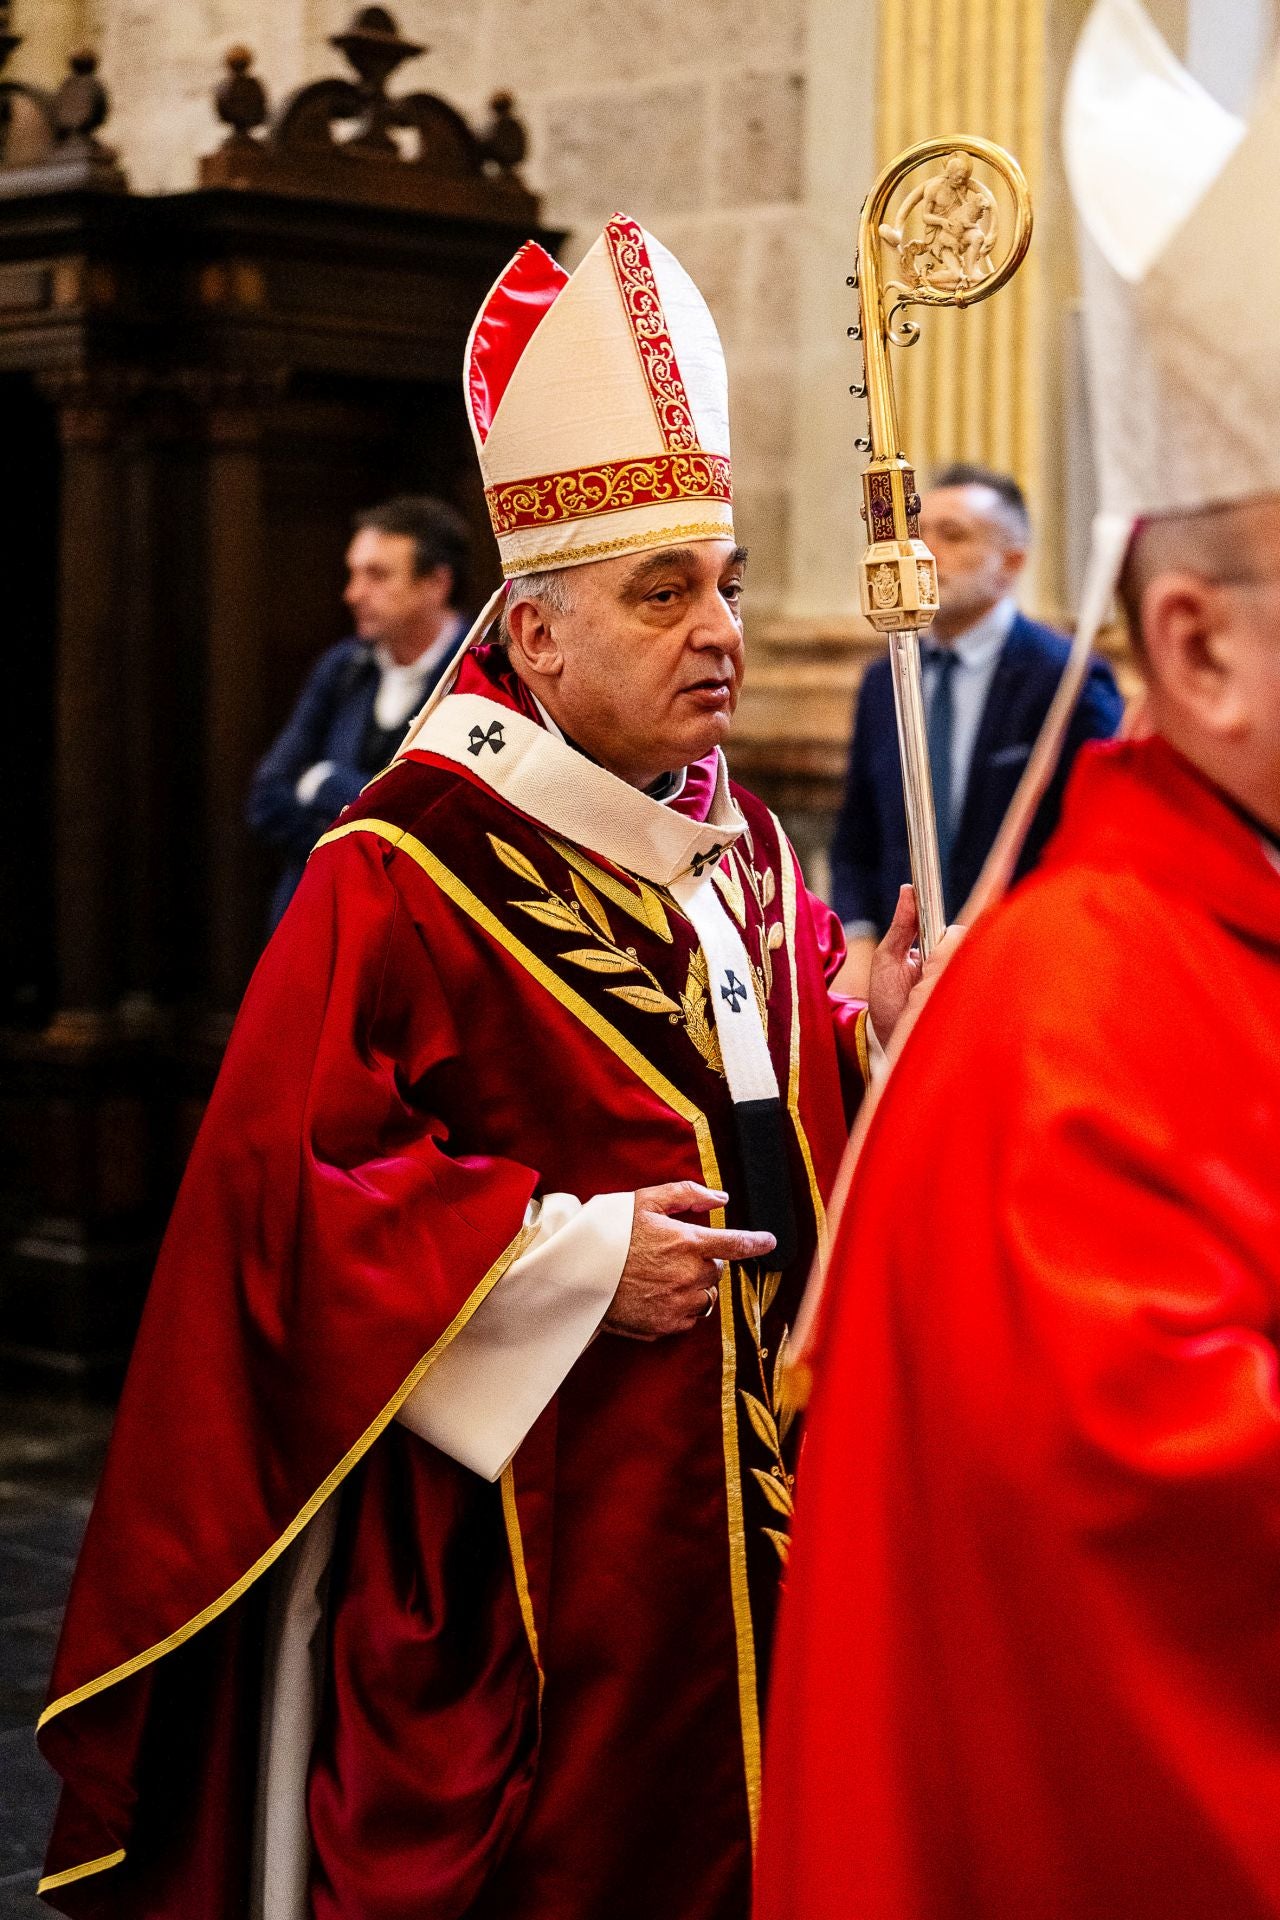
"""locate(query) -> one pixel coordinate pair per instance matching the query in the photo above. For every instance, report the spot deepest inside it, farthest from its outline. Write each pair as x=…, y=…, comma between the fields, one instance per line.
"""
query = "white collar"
x=678, y=780
x=979, y=644
x=539, y=774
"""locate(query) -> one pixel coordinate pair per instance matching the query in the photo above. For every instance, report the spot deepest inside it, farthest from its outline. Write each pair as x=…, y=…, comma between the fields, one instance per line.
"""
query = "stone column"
x=839, y=161
x=974, y=386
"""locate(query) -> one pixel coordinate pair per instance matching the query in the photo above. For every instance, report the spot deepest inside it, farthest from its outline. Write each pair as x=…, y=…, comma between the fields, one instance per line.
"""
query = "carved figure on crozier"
x=960, y=224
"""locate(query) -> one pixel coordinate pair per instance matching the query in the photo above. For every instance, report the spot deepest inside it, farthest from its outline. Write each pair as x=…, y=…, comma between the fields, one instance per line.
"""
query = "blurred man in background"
x=989, y=675
x=404, y=565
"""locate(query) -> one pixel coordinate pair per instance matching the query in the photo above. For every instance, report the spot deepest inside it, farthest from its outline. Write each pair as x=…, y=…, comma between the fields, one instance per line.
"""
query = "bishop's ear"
x=1194, y=638
x=533, y=647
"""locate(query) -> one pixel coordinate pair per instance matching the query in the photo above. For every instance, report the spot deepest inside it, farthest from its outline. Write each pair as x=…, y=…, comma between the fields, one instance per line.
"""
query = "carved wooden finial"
x=350, y=139
x=241, y=100
x=49, y=140
x=79, y=107
x=504, y=141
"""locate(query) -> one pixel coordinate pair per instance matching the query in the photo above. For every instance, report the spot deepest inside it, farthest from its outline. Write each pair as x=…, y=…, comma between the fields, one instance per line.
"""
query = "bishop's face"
x=644, y=669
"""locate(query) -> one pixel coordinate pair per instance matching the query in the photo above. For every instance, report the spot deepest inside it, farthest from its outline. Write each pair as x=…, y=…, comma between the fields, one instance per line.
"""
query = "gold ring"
x=713, y=1294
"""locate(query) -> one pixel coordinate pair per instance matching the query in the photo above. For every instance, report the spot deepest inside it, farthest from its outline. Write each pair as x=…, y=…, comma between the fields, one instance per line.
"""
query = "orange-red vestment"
x=1029, y=1660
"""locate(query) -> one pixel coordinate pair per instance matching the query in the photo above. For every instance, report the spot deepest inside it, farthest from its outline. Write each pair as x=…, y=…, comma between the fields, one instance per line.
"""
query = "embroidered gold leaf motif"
x=761, y=1419
x=600, y=960
x=512, y=857
x=784, y=1405
x=551, y=913
x=762, y=987
x=770, y=1420
x=780, y=1541
x=750, y=1304
x=648, y=999
x=731, y=889
x=763, y=887
x=588, y=901
x=644, y=905
x=654, y=913
x=698, y=1023
x=774, y=1491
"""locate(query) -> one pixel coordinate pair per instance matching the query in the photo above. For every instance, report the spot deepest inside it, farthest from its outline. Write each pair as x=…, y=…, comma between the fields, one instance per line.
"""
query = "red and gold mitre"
x=599, y=404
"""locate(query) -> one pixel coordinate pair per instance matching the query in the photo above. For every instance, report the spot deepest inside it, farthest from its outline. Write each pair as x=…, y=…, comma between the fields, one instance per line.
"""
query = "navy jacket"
x=869, y=856
x=332, y=720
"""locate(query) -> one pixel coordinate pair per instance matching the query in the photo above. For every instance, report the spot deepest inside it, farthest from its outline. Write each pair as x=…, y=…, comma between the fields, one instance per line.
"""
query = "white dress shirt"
x=977, y=651
x=399, y=695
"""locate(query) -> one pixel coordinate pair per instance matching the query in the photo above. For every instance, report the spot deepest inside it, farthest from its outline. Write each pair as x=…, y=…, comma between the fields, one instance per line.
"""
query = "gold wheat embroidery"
x=764, y=888
x=770, y=1414
x=642, y=902
x=586, y=917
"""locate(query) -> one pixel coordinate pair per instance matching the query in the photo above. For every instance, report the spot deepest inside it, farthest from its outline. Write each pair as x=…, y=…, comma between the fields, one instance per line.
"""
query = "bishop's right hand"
x=674, y=1267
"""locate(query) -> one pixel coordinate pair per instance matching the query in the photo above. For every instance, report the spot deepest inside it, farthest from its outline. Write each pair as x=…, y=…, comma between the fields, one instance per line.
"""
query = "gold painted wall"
x=974, y=387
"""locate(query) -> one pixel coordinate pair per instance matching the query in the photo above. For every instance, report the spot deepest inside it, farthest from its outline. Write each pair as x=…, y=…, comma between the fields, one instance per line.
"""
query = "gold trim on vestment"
x=350, y=1459
x=863, y=1046
x=65, y=1878
x=634, y=543
x=657, y=1083
x=787, y=864
x=511, y=1520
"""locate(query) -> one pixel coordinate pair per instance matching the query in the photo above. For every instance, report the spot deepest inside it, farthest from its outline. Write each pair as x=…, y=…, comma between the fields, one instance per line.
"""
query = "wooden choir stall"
x=197, y=391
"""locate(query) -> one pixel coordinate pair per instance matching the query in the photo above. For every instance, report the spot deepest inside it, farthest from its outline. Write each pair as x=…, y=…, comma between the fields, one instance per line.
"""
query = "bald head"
x=1201, y=593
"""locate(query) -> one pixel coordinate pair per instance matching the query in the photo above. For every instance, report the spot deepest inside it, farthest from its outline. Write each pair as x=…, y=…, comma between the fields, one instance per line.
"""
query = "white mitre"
x=599, y=405
x=1181, y=278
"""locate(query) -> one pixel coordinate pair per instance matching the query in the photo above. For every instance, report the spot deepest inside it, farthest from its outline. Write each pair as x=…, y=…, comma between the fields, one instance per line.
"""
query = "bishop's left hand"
x=895, y=968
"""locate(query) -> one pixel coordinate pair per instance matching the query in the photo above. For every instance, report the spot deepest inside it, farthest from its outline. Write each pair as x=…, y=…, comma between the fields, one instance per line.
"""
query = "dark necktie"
x=940, y=727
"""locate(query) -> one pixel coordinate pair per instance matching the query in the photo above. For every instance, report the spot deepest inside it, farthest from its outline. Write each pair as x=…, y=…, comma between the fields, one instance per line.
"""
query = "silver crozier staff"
x=955, y=259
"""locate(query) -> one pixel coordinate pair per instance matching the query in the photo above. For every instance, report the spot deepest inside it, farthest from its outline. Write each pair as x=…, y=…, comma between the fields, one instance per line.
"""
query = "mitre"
x=1181, y=281
x=599, y=405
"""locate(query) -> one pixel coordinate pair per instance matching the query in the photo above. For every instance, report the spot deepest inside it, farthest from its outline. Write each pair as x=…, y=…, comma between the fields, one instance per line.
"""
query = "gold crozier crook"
x=945, y=234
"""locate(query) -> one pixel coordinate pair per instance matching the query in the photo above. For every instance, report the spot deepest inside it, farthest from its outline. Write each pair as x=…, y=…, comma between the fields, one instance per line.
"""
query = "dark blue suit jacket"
x=869, y=857
x=331, y=721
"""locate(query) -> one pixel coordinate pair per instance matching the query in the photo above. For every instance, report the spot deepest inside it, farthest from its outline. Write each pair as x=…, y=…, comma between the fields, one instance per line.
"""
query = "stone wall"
x=689, y=116
x=744, y=133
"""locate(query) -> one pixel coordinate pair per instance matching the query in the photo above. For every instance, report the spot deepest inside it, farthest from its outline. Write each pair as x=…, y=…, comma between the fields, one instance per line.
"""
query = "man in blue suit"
x=404, y=565
x=989, y=675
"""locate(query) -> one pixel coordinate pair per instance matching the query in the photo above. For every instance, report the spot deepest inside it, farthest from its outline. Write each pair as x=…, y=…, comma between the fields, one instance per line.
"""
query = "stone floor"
x=50, y=1456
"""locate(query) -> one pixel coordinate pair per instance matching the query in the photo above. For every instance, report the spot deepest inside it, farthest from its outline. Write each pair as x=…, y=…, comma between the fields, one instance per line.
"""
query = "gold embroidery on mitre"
x=634, y=543
x=614, y=485
x=642, y=303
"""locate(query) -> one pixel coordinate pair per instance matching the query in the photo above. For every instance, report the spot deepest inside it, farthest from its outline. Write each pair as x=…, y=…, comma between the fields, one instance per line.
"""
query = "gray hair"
x=549, y=590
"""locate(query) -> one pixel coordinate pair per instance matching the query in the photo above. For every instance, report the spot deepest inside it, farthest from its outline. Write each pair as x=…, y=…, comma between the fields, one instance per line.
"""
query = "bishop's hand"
x=672, y=1276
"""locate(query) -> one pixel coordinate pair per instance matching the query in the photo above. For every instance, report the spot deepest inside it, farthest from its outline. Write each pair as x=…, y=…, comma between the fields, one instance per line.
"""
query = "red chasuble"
x=540, y=1697
x=1029, y=1665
